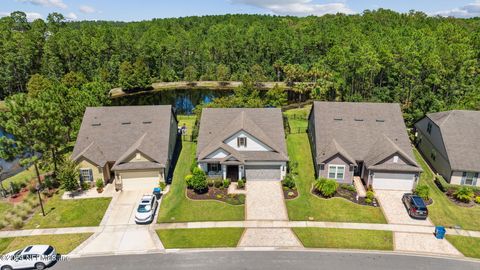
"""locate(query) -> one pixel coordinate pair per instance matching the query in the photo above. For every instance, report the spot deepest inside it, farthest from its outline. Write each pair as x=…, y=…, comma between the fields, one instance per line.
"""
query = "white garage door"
x=262, y=172
x=139, y=180
x=393, y=181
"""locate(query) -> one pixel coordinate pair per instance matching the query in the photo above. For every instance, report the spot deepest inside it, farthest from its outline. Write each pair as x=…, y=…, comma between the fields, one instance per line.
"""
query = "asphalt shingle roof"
x=111, y=134
x=368, y=132
x=461, y=135
x=265, y=124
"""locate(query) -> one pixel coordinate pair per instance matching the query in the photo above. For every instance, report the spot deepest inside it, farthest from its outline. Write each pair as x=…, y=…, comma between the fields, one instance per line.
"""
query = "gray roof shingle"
x=265, y=124
x=461, y=135
x=111, y=134
x=368, y=132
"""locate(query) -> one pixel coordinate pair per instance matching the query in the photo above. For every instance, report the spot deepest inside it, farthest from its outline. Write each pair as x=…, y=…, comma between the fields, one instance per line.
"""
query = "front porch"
x=232, y=171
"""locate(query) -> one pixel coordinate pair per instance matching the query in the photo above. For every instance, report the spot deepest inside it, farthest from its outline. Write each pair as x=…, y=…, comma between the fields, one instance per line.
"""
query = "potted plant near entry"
x=100, y=185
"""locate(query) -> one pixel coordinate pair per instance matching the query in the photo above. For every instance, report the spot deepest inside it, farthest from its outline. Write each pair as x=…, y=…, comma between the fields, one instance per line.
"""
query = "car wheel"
x=39, y=266
x=7, y=267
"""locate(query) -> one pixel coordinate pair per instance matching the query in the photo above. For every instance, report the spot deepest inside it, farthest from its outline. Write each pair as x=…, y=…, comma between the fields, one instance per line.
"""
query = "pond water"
x=9, y=167
x=184, y=101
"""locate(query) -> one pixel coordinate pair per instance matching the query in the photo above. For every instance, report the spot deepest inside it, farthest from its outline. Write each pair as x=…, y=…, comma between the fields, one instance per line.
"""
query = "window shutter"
x=91, y=174
x=238, y=142
x=475, y=179
x=464, y=176
x=81, y=176
x=245, y=141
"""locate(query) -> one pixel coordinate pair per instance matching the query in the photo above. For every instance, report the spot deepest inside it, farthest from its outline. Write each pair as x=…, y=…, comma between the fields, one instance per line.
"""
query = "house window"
x=242, y=141
x=336, y=171
x=86, y=175
x=395, y=159
x=469, y=177
x=429, y=128
x=433, y=154
x=214, y=167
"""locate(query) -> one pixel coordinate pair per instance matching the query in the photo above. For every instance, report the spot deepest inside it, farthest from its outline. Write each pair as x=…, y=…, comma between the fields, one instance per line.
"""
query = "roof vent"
x=337, y=119
x=96, y=124
x=147, y=122
x=380, y=120
x=126, y=123
x=358, y=119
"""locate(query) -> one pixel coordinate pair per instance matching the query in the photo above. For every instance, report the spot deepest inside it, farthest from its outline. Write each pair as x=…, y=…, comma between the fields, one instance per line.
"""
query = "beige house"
x=129, y=144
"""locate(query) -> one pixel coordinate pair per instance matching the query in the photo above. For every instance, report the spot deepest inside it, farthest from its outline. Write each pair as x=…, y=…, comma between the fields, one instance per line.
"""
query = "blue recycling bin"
x=440, y=232
x=157, y=192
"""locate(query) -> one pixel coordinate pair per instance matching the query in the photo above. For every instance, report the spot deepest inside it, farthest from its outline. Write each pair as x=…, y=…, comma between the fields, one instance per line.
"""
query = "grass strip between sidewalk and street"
x=345, y=238
x=63, y=243
x=468, y=246
x=200, y=238
x=176, y=207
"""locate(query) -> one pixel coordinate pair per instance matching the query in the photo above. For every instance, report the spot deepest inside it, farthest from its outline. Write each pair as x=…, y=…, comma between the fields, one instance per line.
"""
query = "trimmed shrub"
x=199, y=181
x=240, y=184
x=218, y=183
x=17, y=223
x=464, y=194
x=226, y=183
x=189, y=180
x=368, y=200
x=211, y=182
x=293, y=167
x=423, y=191
x=289, y=181
x=194, y=166
x=85, y=186
x=370, y=196
x=327, y=187
x=22, y=214
x=477, y=199
x=348, y=187
x=162, y=185
x=99, y=183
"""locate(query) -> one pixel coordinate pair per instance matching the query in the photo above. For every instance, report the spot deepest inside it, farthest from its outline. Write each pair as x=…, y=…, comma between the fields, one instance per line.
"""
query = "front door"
x=232, y=172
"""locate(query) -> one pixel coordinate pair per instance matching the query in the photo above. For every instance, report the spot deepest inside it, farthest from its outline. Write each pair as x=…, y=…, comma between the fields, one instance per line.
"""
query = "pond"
x=184, y=101
x=9, y=167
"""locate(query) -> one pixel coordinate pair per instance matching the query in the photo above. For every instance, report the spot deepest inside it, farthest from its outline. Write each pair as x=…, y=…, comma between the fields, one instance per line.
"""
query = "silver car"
x=37, y=257
x=146, y=209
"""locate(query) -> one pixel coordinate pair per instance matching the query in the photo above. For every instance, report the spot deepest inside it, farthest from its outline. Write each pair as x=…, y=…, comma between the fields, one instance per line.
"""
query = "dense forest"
x=425, y=63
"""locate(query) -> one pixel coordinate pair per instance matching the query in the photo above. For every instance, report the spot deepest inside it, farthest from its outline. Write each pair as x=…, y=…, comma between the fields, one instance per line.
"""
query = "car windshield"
x=419, y=203
x=143, y=208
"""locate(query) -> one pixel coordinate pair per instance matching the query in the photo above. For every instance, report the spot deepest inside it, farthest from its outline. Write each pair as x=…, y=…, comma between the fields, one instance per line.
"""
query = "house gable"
x=137, y=157
x=253, y=144
x=218, y=154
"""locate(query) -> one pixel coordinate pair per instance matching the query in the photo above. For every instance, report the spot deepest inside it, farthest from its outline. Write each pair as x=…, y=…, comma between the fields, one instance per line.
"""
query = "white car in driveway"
x=146, y=209
x=36, y=257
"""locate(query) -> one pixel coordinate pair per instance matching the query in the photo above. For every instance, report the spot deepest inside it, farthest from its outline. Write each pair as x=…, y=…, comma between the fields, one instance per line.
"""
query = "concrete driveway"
x=265, y=201
x=394, y=210
x=120, y=234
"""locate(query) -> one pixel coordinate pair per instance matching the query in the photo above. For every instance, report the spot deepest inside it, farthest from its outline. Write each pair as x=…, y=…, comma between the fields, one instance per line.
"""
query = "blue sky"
x=135, y=10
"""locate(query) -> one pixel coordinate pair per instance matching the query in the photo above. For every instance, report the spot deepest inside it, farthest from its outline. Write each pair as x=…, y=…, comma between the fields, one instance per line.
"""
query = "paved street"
x=267, y=260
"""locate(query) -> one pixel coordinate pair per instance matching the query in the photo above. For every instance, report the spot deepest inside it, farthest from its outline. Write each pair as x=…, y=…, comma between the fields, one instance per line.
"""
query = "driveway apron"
x=265, y=201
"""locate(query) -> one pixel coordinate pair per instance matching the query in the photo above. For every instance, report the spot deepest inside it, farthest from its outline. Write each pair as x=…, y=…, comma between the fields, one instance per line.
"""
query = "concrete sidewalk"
x=20, y=233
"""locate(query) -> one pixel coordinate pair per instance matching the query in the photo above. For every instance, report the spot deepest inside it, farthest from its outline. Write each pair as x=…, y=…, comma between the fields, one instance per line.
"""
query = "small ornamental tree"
x=69, y=175
x=199, y=181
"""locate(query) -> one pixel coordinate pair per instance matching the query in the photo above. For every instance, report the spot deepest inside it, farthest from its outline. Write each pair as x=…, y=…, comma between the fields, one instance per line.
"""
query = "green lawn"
x=21, y=177
x=188, y=120
x=297, y=118
x=308, y=205
x=443, y=211
x=69, y=213
x=200, y=238
x=468, y=246
x=345, y=238
x=176, y=207
x=63, y=243
x=4, y=207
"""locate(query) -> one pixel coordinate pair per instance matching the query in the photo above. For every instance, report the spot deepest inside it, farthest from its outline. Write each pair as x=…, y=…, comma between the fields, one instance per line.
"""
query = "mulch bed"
x=218, y=194
x=286, y=191
x=347, y=194
x=452, y=198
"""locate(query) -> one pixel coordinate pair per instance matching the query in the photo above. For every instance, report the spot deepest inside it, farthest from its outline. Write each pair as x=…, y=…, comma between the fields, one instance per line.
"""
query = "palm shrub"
x=327, y=187
x=464, y=194
x=289, y=181
x=69, y=175
x=423, y=191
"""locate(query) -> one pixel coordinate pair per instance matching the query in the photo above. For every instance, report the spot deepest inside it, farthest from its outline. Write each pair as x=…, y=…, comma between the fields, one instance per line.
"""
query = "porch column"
x=240, y=172
x=224, y=171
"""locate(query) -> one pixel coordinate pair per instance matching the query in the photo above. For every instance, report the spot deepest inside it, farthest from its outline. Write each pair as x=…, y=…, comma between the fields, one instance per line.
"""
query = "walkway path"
x=265, y=202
